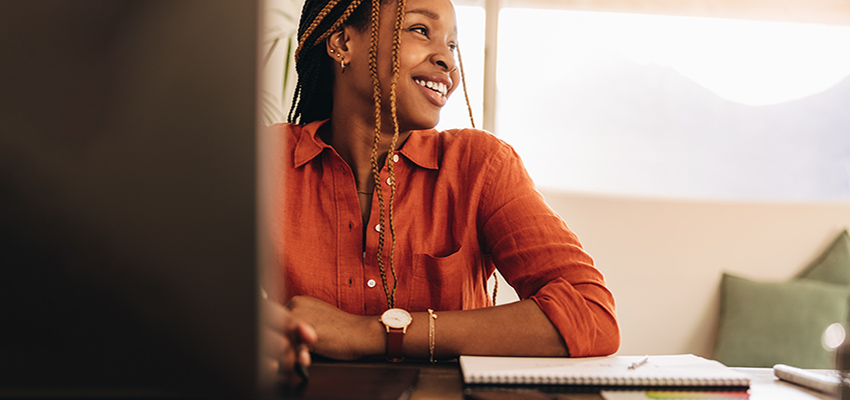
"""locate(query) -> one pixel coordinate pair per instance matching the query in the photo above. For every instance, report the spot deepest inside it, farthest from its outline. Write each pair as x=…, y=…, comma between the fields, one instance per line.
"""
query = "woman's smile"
x=436, y=90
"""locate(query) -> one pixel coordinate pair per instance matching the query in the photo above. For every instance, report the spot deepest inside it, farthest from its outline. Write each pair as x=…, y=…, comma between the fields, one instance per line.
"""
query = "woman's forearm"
x=514, y=329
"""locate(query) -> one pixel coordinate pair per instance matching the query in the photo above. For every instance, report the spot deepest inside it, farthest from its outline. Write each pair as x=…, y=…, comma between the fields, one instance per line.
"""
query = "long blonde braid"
x=394, y=113
x=469, y=108
x=344, y=17
x=376, y=172
x=318, y=20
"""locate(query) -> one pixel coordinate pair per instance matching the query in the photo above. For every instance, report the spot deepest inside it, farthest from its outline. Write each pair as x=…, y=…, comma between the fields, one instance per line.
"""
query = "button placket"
x=371, y=267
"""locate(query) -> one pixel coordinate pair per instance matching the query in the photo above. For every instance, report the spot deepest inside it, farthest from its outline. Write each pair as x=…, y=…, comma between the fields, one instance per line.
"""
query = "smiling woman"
x=380, y=214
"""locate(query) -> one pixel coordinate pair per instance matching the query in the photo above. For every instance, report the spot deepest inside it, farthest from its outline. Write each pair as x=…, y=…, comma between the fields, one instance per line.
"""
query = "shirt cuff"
x=587, y=325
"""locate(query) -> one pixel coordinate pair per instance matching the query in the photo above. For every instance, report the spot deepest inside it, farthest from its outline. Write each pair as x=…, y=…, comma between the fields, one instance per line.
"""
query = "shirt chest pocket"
x=439, y=280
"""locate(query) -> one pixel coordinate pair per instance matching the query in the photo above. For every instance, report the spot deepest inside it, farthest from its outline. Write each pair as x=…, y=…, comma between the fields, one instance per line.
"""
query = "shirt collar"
x=422, y=147
x=309, y=145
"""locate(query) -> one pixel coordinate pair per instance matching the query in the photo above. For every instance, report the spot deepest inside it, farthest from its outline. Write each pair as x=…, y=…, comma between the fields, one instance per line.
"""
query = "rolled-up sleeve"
x=543, y=259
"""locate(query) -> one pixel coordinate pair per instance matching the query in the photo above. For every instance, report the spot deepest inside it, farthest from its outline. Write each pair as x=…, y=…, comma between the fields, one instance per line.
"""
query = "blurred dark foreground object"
x=128, y=198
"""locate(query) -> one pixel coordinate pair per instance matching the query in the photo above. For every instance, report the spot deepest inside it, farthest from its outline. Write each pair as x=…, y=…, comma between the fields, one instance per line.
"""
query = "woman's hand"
x=342, y=336
x=286, y=339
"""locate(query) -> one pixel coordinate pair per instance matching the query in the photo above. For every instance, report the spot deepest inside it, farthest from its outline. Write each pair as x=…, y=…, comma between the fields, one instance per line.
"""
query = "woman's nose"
x=445, y=59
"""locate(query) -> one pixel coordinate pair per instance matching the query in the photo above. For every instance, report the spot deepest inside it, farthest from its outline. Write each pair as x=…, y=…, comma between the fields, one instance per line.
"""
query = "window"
x=676, y=106
x=650, y=105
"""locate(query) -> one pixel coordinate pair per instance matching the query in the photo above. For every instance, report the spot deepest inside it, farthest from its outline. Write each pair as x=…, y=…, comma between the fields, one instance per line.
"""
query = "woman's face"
x=427, y=70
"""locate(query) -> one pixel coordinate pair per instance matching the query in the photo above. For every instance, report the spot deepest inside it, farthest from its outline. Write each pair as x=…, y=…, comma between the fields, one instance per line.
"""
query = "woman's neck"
x=353, y=138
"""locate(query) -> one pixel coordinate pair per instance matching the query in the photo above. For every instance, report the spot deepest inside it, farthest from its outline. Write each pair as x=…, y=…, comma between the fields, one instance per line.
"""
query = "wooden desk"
x=442, y=381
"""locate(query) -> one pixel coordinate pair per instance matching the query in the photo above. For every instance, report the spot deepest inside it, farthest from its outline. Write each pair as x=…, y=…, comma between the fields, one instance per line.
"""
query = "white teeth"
x=435, y=86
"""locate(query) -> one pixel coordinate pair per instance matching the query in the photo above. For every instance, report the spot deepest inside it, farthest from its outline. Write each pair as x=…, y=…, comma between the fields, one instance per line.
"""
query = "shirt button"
x=378, y=227
x=371, y=283
x=389, y=182
x=395, y=157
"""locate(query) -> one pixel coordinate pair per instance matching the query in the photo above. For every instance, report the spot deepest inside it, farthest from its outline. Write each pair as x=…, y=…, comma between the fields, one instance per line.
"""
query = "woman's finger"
x=276, y=345
x=271, y=372
x=306, y=333
x=303, y=356
x=273, y=315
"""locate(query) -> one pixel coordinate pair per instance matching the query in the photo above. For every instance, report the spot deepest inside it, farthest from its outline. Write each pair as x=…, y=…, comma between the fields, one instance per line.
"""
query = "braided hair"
x=313, y=97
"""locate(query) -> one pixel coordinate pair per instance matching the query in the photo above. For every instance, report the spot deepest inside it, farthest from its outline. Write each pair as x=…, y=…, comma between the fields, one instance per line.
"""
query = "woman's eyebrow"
x=430, y=14
x=427, y=13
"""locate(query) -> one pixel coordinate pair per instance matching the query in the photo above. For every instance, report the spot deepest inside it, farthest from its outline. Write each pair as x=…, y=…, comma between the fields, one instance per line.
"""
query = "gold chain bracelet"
x=431, y=333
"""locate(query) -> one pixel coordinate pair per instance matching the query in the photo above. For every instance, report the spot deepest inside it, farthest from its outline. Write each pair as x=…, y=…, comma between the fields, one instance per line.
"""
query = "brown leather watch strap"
x=395, y=341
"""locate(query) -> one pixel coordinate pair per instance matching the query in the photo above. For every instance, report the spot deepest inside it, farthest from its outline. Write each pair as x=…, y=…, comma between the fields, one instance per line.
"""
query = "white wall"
x=663, y=259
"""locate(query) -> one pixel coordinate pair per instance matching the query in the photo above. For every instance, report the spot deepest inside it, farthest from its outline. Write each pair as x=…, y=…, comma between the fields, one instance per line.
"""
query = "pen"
x=640, y=362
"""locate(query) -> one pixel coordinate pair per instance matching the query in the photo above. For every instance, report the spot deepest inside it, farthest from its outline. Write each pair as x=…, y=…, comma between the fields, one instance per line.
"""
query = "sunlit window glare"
x=682, y=107
x=749, y=62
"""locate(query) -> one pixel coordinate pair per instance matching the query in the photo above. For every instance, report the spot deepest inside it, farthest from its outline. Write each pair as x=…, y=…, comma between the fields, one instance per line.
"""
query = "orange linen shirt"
x=464, y=205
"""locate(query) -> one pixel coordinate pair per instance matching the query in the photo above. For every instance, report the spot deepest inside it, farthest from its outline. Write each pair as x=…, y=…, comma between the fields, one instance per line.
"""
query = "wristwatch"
x=396, y=320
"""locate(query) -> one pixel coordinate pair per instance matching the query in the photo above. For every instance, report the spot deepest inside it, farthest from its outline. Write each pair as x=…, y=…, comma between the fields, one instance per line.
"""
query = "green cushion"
x=767, y=323
x=833, y=266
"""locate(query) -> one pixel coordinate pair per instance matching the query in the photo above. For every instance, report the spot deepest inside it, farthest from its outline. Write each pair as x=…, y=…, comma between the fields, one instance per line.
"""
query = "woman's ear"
x=338, y=45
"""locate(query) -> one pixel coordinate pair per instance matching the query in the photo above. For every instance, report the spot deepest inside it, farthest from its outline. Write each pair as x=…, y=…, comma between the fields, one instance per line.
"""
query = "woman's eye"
x=420, y=30
x=452, y=47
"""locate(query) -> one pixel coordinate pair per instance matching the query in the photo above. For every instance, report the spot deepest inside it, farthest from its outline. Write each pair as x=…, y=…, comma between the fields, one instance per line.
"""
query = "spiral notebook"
x=680, y=371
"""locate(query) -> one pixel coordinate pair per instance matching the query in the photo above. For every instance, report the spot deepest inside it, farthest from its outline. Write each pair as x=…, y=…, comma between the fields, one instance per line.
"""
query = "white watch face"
x=396, y=318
